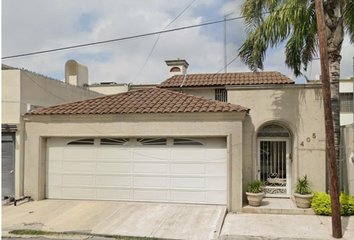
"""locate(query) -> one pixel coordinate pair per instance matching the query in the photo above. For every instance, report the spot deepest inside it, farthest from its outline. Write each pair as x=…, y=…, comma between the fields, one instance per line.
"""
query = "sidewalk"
x=270, y=226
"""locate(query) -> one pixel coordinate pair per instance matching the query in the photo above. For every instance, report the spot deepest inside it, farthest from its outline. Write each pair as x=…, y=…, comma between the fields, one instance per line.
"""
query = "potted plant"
x=303, y=195
x=255, y=193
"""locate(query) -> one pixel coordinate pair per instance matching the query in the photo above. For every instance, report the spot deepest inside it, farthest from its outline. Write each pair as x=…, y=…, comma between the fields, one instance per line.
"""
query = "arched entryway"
x=274, y=165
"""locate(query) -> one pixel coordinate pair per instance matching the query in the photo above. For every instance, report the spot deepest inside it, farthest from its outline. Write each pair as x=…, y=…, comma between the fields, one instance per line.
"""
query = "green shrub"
x=321, y=204
x=255, y=187
x=347, y=205
x=303, y=186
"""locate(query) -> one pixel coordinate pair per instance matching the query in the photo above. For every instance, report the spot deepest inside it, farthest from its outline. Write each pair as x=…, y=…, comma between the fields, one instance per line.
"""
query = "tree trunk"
x=333, y=14
x=325, y=37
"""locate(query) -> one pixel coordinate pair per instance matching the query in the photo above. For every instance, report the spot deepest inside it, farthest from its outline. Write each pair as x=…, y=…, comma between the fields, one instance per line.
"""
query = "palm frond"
x=349, y=18
x=290, y=20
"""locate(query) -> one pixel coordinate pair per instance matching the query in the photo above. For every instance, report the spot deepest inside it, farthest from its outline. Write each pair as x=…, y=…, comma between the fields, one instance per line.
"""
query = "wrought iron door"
x=274, y=166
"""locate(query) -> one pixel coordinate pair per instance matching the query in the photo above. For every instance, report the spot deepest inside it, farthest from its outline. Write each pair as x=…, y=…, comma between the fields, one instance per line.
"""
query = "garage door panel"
x=79, y=193
x=54, y=166
x=79, y=167
x=54, y=179
x=154, y=168
x=188, y=154
x=217, y=183
x=116, y=181
x=159, y=182
x=55, y=153
x=216, y=197
x=79, y=153
x=151, y=195
x=188, y=196
x=216, y=155
x=114, y=194
x=113, y=167
x=151, y=154
x=54, y=192
x=185, y=168
x=179, y=182
x=84, y=180
x=218, y=169
x=192, y=174
x=115, y=154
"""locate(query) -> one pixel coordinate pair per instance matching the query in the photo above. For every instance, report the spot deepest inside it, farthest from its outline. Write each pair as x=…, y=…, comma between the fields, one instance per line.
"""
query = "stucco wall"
x=10, y=96
x=227, y=125
x=205, y=93
x=38, y=90
x=109, y=89
x=21, y=89
x=300, y=110
x=349, y=150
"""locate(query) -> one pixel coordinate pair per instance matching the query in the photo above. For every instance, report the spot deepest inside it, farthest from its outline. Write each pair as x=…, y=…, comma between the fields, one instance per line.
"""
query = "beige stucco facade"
x=228, y=125
x=349, y=158
x=299, y=109
x=23, y=90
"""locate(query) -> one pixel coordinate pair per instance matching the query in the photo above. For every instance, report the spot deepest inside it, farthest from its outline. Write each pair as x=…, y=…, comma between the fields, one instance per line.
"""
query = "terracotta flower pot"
x=255, y=199
x=303, y=201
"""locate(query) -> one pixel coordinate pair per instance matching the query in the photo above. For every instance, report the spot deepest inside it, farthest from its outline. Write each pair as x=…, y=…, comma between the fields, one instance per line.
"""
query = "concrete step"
x=278, y=206
x=258, y=210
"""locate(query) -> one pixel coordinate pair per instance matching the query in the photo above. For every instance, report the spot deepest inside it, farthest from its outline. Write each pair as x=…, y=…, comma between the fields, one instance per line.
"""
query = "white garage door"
x=180, y=170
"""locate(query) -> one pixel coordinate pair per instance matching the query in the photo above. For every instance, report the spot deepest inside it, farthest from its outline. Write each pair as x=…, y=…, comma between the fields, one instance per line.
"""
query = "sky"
x=36, y=25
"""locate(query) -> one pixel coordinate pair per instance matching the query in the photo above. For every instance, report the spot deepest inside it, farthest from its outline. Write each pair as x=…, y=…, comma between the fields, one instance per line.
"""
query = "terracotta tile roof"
x=152, y=100
x=222, y=79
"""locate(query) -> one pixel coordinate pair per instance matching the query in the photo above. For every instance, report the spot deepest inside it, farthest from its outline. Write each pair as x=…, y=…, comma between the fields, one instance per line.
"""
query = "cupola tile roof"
x=152, y=100
x=222, y=79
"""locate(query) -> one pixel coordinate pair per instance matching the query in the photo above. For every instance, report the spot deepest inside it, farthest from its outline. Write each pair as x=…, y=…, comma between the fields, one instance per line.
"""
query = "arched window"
x=273, y=130
x=175, y=69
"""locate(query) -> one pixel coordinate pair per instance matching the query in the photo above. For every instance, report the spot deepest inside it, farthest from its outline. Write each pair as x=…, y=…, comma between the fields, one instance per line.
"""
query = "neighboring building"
x=346, y=99
x=23, y=91
x=176, y=143
x=108, y=88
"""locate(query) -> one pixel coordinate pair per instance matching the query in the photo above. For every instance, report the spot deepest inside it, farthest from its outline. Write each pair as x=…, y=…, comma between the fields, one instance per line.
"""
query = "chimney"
x=177, y=67
x=76, y=73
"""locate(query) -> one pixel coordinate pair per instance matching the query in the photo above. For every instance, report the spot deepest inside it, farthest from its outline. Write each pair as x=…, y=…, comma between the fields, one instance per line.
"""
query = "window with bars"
x=186, y=142
x=83, y=141
x=346, y=102
x=114, y=141
x=152, y=141
x=221, y=95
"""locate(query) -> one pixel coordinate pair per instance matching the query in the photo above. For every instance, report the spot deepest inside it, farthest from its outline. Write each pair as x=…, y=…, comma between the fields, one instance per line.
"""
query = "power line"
x=117, y=39
x=130, y=37
x=157, y=39
x=227, y=64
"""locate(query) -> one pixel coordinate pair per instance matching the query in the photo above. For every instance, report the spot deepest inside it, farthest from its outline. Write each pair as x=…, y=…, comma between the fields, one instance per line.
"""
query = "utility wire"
x=130, y=37
x=117, y=39
x=157, y=39
x=122, y=39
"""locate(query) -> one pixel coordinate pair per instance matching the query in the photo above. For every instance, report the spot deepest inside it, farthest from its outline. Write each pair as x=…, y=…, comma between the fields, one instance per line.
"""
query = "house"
x=346, y=99
x=108, y=88
x=23, y=91
x=196, y=138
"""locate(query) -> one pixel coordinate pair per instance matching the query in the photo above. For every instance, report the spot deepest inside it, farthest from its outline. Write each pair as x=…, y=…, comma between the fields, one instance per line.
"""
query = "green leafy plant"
x=321, y=204
x=255, y=187
x=303, y=186
x=347, y=204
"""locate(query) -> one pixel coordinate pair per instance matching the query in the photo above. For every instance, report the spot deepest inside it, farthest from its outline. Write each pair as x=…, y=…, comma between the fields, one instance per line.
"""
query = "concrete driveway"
x=165, y=221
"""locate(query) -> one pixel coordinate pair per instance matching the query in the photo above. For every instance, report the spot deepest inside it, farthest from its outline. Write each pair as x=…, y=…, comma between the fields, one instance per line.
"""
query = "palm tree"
x=271, y=22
